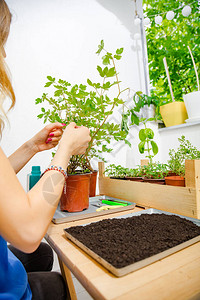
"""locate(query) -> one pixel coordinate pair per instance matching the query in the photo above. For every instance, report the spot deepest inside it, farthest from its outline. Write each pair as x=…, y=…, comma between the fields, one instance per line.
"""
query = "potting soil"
x=124, y=241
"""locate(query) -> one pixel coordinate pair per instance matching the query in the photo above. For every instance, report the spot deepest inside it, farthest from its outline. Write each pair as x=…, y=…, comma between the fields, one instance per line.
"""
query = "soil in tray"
x=122, y=242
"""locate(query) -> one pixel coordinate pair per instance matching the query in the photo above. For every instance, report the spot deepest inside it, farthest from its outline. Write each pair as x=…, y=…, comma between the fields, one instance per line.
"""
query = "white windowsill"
x=179, y=126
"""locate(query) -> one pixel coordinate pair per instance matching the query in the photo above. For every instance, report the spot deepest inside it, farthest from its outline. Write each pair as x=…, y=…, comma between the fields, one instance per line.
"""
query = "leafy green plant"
x=116, y=171
x=135, y=172
x=147, y=144
x=88, y=105
x=140, y=100
x=156, y=170
x=170, y=39
x=177, y=159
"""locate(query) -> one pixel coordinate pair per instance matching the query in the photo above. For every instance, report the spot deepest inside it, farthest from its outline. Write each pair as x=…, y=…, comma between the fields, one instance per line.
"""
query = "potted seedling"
x=135, y=174
x=144, y=104
x=155, y=173
x=116, y=172
x=177, y=159
x=89, y=105
x=173, y=113
x=147, y=144
x=192, y=100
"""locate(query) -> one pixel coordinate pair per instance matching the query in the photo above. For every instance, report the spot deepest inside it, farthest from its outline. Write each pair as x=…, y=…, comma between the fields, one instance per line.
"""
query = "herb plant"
x=177, y=157
x=147, y=144
x=116, y=171
x=156, y=170
x=88, y=105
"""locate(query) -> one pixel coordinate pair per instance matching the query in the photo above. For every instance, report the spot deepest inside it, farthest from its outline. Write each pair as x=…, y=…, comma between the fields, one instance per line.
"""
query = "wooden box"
x=180, y=200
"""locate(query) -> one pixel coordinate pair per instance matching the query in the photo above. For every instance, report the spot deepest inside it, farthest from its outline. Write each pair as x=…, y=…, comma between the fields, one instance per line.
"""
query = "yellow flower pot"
x=173, y=113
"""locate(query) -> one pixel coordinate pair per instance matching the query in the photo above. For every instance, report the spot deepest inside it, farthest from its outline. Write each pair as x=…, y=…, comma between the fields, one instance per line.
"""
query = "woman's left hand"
x=48, y=137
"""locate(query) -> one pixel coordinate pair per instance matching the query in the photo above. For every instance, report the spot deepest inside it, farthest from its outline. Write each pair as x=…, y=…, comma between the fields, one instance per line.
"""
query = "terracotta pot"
x=75, y=196
x=93, y=181
x=175, y=180
x=153, y=180
x=170, y=173
x=139, y=179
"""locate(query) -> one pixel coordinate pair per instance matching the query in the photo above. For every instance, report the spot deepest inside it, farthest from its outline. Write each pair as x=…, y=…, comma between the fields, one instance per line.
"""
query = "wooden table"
x=174, y=277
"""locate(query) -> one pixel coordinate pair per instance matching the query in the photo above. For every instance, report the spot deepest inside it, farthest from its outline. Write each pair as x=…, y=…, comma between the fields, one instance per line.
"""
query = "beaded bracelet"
x=55, y=168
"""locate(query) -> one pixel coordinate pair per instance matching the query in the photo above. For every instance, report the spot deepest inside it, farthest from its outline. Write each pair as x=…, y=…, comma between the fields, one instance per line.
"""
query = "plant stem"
x=195, y=68
x=92, y=138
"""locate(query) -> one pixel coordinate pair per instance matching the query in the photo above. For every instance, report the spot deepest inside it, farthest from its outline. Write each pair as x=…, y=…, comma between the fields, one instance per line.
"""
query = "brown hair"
x=6, y=88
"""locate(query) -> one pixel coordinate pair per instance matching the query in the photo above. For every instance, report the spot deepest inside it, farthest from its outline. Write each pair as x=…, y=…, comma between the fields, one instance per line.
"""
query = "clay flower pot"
x=175, y=180
x=153, y=180
x=75, y=196
x=93, y=181
x=138, y=179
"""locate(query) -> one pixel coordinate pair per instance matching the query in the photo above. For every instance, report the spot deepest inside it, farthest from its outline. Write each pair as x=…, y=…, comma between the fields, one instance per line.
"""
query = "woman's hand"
x=75, y=139
x=47, y=138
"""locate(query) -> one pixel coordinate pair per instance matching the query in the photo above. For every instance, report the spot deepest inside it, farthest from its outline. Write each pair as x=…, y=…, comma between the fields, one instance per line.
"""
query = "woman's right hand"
x=75, y=139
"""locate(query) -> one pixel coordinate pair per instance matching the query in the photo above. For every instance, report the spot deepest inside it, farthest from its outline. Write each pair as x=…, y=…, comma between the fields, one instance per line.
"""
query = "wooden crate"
x=180, y=200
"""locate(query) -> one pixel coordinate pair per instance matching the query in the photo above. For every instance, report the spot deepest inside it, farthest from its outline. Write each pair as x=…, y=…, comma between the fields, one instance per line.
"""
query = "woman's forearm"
x=22, y=155
x=28, y=215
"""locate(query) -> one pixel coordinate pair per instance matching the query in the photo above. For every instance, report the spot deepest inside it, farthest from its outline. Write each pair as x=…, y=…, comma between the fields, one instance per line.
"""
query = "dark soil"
x=122, y=242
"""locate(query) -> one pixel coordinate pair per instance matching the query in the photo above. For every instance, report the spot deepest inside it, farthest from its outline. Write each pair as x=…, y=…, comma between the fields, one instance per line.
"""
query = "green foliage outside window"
x=170, y=39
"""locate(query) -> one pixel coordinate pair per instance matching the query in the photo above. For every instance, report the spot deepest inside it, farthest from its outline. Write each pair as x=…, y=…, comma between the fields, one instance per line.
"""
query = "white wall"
x=168, y=137
x=60, y=38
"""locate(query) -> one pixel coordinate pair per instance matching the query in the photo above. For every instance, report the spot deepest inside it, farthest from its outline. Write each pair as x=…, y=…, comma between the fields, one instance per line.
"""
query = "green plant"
x=136, y=172
x=116, y=171
x=170, y=39
x=156, y=170
x=88, y=105
x=140, y=100
x=177, y=159
x=147, y=144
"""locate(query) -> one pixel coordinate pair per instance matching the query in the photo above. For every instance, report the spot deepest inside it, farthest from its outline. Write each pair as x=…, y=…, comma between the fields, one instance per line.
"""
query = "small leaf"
x=48, y=84
x=50, y=78
x=90, y=82
x=101, y=73
x=141, y=147
x=149, y=133
x=40, y=116
x=142, y=135
x=154, y=147
x=111, y=72
x=119, y=51
x=57, y=93
x=38, y=100
x=106, y=60
x=118, y=57
x=42, y=109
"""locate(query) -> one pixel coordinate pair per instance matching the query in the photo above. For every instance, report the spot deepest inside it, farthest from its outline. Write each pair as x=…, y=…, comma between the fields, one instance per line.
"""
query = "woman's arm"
x=45, y=139
x=24, y=218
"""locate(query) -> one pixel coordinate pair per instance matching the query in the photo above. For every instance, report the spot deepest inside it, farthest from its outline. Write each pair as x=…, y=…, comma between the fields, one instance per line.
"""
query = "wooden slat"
x=144, y=162
x=180, y=200
x=101, y=167
x=192, y=179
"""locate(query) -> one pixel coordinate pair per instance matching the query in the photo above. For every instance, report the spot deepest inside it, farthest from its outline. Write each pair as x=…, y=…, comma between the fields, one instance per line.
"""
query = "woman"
x=24, y=218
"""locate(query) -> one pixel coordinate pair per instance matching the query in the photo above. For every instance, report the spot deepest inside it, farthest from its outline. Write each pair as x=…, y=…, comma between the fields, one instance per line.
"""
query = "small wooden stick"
x=168, y=77
x=195, y=68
